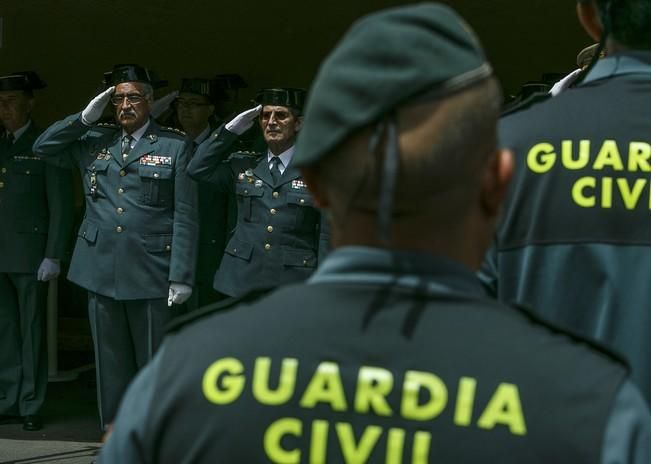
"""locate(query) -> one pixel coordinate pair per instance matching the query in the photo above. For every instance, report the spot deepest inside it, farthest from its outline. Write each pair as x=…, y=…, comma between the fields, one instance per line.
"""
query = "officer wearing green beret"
x=279, y=236
x=136, y=247
x=574, y=241
x=35, y=231
x=390, y=352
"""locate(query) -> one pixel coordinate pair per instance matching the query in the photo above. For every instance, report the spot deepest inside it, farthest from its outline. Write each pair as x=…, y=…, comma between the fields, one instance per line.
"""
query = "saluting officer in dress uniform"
x=196, y=105
x=35, y=229
x=136, y=247
x=279, y=236
x=391, y=352
x=575, y=239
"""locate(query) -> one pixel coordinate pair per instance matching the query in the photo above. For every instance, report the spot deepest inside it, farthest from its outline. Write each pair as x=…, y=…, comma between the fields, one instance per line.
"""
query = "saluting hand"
x=95, y=108
x=243, y=121
x=161, y=105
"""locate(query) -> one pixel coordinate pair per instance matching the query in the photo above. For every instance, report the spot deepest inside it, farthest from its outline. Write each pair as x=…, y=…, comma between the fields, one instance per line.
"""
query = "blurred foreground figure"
x=390, y=352
x=575, y=240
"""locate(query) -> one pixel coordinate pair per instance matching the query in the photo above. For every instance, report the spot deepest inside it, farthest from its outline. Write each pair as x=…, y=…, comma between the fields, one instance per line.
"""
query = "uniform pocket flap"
x=150, y=172
x=158, y=243
x=301, y=199
x=99, y=165
x=88, y=231
x=300, y=258
x=239, y=249
x=248, y=190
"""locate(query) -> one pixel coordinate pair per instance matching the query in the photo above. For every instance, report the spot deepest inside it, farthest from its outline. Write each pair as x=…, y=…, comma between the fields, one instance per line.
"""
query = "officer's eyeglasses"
x=189, y=104
x=133, y=98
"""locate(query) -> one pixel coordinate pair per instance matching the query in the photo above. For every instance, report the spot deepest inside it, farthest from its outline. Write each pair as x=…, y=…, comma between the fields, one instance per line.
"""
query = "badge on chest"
x=155, y=160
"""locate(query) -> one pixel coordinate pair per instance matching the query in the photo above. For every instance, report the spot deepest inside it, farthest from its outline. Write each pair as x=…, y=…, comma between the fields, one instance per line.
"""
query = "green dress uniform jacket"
x=35, y=206
x=141, y=223
x=380, y=357
x=575, y=238
x=36, y=211
x=280, y=234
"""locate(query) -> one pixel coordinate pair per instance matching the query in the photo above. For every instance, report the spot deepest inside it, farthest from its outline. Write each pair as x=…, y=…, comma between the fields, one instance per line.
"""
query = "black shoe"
x=9, y=419
x=32, y=423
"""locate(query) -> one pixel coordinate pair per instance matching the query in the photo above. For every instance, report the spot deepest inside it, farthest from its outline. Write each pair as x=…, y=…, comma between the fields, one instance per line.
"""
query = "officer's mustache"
x=124, y=113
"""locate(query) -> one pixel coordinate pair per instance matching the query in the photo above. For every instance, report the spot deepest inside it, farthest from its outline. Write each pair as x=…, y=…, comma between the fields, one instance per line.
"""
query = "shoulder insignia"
x=525, y=104
x=173, y=129
x=107, y=125
x=246, y=154
x=594, y=344
x=222, y=305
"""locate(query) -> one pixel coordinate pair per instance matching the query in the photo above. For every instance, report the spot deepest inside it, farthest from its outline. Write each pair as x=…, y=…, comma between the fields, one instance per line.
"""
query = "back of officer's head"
x=629, y=21
x=431, y=77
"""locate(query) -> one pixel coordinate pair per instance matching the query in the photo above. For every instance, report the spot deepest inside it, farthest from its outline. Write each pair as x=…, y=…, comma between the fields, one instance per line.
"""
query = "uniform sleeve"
x=61, y=208
x=209, y=163
x=62, y=138
x=185, y=239
x=324, y=238
x=627, y=438
x=128, y=443
x=488, y=271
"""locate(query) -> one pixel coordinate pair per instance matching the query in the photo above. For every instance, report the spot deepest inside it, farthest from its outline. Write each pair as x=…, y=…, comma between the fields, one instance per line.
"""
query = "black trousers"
x=23, y=349
x=126, y=335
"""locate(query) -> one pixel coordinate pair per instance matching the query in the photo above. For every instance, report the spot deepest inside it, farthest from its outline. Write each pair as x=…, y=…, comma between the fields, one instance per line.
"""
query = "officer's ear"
x=589, y=19
x=314, y=186
x=495, y=181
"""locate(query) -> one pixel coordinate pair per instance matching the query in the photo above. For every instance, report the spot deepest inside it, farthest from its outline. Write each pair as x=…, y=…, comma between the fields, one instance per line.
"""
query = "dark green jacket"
x=280, y=234
x=379, y=357
x=140, y=228
x=36, y=207
x=575, y=239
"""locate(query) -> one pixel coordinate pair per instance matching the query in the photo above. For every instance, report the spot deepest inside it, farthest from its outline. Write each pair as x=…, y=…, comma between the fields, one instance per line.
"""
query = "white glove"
x=95, y=108
x=48, y=270
x=179, y=293
x=161, y=105
x=243, y=121
x=565, y=82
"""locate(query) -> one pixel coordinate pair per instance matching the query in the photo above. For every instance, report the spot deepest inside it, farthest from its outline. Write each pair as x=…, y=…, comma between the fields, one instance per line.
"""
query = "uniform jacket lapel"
x=147, y=144
x=290, y=174
x=262, y=171
x=23, y=145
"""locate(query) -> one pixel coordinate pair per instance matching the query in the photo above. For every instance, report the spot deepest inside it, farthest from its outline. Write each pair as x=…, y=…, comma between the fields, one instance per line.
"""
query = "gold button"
x=123, y=172
x=120, y=190
x=234, y=250
x=120, y=210
x=35, y=229
x=270, y=229
x=4, y=170
x=273, y=211
x=301, y=201
x=213, y=241
x=27, y=172
x=2, y=185
x=168, y=247
x=305, y=262
x=118, y=229
x=156, y=175
x=246, y=192
x=275, y=194
x=267, y=246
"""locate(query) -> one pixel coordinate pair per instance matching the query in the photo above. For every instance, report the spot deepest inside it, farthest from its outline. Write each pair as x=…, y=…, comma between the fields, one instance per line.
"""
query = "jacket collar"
x=619, y=64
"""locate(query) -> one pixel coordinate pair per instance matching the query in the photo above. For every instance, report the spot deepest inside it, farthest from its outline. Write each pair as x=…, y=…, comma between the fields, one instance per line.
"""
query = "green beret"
x=385, y=60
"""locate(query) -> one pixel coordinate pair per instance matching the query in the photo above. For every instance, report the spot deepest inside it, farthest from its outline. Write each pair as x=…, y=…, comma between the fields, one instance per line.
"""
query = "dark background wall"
x=72, y=42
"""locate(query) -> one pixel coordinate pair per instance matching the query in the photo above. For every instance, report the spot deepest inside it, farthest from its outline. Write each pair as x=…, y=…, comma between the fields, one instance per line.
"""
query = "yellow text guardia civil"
x=423, y=397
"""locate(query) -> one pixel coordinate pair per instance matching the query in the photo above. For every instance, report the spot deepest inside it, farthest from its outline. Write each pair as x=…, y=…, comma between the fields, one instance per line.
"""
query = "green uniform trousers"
x=23, y=352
